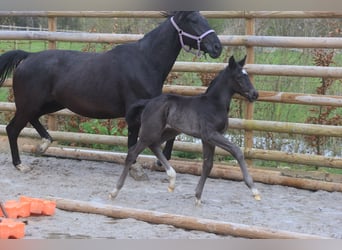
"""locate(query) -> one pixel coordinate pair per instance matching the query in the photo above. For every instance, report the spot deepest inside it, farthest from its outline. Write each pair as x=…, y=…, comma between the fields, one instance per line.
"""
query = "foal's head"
x=196, y=33
x=240, y=80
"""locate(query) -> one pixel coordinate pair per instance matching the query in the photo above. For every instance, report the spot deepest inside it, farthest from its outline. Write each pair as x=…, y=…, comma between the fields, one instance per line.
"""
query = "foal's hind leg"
x=135, y=171
x=131, y=157
x=220, y=141
x=169, y=169
x=167, y=150
x=46, y=138
x=208, y=158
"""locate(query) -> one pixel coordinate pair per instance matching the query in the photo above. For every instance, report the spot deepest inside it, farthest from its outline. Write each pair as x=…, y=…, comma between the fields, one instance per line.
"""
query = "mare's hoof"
x=170, y=189
x=22, y=168
x=40, y=149
x=137, y=173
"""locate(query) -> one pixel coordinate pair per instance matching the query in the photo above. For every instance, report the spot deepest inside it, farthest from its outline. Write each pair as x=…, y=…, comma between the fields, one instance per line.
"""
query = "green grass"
x=4, y=94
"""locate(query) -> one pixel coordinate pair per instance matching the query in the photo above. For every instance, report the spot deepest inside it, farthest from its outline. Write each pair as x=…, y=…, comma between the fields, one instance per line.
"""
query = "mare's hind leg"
x=208, y=158
x=13, y=129
x=131, y=157
x=46, y=138
x=169, y=169
x=220, y=141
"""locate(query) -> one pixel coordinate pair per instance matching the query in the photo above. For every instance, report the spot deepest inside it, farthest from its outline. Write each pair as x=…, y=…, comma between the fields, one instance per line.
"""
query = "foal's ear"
x=243, y=61
x=232, y=63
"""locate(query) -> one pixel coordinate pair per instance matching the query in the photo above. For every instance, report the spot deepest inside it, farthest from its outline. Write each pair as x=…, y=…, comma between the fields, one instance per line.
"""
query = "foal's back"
x=184, y=114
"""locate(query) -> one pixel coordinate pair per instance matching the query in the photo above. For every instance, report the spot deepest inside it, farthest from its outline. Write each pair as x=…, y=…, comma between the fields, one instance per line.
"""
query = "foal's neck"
x=220, y=90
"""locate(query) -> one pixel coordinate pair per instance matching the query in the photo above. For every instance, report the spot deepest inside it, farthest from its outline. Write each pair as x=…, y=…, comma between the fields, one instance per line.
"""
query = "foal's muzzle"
x=252, y=95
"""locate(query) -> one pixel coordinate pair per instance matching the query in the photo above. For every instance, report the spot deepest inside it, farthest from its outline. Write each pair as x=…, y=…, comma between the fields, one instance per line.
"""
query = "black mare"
x=203, y=116
x=99, y=85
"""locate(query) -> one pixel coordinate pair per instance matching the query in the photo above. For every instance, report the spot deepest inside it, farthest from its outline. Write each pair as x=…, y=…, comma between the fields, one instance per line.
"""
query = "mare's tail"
x=9, y=61
x=133, y=114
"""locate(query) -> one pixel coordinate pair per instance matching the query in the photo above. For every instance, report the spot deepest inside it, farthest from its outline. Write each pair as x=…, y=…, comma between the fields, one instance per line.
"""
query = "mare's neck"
x=161, y=47
x=220, y=90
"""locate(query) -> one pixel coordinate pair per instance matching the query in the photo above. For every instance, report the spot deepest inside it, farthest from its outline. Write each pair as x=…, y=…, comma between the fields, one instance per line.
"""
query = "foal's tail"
x=9, y=61
x=134, y=112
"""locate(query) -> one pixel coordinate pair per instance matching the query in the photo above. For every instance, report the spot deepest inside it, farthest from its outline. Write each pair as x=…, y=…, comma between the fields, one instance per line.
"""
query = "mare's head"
x=240, y=81
x=195, y=32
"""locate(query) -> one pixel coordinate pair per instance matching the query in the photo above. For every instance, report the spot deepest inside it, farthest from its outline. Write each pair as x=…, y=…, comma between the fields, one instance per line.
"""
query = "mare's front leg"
x=220, y=141
x=169, y=169
x=208, y=159
x=131, y=157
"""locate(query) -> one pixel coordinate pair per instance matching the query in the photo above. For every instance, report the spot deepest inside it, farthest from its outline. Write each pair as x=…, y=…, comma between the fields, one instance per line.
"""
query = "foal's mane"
x=216, y=79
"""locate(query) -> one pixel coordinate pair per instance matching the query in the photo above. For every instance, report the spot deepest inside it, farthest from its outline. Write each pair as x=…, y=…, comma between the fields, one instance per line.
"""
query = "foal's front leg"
x=208, y=158
x=220, y=141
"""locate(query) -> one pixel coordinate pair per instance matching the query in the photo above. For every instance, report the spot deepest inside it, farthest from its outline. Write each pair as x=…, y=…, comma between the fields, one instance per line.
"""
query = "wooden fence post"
x=250, y=30
x=52, y=27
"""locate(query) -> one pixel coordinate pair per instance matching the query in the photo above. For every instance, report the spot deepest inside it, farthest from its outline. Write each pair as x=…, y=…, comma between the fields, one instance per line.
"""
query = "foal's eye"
x=239, y=78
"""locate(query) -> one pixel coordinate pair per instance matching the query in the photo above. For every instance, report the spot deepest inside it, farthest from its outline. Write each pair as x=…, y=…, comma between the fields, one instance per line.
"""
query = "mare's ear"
x=243, y=61
x=232, y=63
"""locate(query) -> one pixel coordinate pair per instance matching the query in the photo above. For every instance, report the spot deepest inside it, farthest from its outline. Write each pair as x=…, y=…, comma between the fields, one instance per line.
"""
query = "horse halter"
x=182, y=33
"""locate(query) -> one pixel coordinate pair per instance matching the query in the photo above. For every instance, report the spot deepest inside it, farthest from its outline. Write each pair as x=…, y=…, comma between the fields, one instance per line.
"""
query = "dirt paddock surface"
x=281, y=208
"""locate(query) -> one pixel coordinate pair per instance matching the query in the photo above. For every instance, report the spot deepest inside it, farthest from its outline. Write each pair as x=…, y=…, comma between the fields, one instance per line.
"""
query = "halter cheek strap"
x=182, y=33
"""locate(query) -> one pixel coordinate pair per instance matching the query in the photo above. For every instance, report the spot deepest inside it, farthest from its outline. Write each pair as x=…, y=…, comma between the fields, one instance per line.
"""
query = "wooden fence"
x=250, y=41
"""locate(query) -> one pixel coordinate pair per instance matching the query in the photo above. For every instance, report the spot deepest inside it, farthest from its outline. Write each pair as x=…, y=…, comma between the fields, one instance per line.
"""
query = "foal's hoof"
x=257, y=197
x=23, y=168
x=256, y=194
x=137, y=173
x=113, y=194
x=170, y=189
x=198, y=202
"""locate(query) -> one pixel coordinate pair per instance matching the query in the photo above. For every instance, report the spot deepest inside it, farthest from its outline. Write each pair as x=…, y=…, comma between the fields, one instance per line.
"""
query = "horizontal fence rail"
x=235, y=123
x=156, y=14
x=304, y=159
x=242, y=40
x=249, y=41
x=265, y=96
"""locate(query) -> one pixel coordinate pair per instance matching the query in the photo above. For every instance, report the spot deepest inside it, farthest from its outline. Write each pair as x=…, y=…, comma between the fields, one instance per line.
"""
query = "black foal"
x=204, y=116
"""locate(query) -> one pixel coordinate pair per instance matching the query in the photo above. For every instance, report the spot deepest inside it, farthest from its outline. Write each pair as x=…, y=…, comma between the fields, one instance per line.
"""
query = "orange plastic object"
x=10, y=229
x=39, y=206
x=16, y=209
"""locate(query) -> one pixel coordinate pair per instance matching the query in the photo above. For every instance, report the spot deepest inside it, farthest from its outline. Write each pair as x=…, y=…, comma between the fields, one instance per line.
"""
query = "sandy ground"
x=281, y=208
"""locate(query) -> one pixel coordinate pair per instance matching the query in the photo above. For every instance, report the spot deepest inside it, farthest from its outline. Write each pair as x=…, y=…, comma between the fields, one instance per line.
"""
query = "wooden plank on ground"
x=180, y=221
